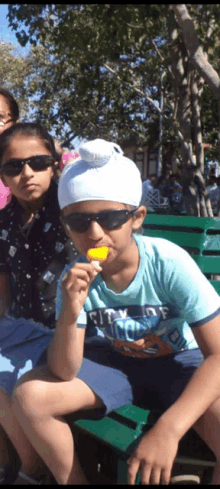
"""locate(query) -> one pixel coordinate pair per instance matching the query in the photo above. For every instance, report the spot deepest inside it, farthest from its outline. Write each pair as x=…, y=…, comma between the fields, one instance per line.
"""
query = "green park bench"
x=200, y=236
x=104, y=445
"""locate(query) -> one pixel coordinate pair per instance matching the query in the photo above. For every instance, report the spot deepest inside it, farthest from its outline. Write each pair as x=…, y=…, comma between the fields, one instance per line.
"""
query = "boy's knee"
x=30, y=397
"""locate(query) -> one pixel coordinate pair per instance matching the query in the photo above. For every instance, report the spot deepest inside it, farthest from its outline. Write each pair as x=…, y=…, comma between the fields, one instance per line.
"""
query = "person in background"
x=148, y=188
x=214, y=193
x=161, y=185
x=68, y=157
x=174, y=192
x=33, y=250
x=65, y=156
x=9, y=115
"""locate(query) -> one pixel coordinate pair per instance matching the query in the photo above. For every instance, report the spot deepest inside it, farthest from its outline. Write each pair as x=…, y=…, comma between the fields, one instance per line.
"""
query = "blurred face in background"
x=6, y=120
x=153, y=179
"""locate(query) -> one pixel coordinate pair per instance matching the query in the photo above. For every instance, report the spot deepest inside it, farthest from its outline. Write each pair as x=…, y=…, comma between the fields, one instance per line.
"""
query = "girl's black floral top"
x=33, y=256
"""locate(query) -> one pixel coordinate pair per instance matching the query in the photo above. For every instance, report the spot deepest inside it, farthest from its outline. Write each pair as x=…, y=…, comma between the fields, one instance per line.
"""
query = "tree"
x=197, y=56
x=195, y=52
x=93, y=87
x=104, y=62
x=14, y=70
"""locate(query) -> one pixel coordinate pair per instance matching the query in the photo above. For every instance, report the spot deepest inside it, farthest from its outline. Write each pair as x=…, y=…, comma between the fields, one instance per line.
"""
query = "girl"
x=9, y=115
x=147, y=334
x=33, y=251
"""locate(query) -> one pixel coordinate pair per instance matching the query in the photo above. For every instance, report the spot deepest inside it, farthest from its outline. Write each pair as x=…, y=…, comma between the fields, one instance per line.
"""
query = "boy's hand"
x=154, y=457
x=75, y=286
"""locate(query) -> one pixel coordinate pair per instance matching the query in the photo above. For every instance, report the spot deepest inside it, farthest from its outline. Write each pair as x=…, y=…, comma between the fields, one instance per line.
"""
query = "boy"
x=127, y=331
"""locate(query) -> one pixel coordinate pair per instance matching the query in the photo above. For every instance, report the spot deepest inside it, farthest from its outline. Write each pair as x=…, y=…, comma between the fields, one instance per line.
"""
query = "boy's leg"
x=208, y=427
x=4, y=450
x=29, y=457
x=40, y=400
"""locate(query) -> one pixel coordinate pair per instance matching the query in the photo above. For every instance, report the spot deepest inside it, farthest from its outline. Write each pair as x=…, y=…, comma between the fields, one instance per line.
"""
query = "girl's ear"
x=2, y=176
x=139, y=217
x=65, y=227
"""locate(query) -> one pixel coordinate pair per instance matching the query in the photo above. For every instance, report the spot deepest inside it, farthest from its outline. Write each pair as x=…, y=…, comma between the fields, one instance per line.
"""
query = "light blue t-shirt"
x=154, y=315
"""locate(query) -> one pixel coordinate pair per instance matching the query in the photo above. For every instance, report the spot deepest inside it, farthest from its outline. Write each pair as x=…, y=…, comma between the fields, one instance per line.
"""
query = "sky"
x=7, y=34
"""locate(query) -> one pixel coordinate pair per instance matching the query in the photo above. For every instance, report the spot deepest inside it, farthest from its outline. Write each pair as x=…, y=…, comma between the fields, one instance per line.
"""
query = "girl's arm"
x=65, y=352
x=157, y=450
x=5, y=297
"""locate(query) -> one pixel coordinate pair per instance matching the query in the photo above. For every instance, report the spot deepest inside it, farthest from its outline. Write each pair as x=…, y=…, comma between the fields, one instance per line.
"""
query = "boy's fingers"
x=89, y=267
x=96, y=265
x=70, y=279
x=133, y=470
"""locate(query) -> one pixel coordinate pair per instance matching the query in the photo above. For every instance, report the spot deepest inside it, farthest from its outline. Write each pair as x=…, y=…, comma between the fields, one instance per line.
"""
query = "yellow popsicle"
x=97, y=254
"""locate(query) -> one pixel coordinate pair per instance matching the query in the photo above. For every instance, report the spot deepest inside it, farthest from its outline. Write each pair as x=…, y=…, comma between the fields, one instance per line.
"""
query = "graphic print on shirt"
x=138, y=331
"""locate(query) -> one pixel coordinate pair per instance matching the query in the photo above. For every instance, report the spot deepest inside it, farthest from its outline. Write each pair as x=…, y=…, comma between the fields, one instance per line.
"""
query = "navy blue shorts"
x=149, y=383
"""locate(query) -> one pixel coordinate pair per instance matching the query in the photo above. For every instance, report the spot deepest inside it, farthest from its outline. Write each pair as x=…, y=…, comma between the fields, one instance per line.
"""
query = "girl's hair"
x=12, y=104
x=29, y=129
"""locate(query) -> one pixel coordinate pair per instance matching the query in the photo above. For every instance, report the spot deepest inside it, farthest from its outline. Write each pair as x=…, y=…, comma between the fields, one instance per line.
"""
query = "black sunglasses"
x=80, y=223
x=37, y=163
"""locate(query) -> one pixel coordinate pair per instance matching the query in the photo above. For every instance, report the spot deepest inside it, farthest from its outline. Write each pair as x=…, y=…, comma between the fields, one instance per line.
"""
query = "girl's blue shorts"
x=22, y=342
x=150, y=383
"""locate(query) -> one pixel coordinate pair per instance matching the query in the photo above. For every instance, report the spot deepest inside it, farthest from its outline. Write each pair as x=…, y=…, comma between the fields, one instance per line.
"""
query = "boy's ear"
x=139, y=217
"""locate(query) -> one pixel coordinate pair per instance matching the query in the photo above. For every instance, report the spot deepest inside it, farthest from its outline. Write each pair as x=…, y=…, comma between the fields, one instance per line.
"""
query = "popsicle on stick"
x=97, y=255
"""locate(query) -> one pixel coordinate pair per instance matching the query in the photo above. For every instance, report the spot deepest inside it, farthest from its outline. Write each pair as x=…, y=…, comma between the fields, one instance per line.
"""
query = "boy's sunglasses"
x=80, y=223
x=37, y=163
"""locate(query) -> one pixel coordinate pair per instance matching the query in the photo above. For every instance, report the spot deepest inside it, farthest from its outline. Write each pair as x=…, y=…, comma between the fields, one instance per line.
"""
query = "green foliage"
x=94, y=68
x=71, y=87
x=14, y=71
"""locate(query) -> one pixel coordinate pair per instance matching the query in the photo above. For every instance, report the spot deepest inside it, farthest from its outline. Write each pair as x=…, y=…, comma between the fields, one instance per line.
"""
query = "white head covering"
x=100, y=173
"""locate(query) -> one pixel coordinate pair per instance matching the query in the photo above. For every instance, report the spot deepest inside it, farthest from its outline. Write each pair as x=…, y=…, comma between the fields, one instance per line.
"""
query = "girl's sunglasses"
x=37, y=163
x=80, y=223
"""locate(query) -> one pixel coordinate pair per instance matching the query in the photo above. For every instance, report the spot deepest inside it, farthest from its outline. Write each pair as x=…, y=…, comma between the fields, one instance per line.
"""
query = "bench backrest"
x=200, y=236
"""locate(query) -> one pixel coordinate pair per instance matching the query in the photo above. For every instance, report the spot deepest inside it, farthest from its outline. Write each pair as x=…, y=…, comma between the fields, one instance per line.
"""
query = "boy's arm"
x=65, y=352
x=157, y=450
x=5, y=298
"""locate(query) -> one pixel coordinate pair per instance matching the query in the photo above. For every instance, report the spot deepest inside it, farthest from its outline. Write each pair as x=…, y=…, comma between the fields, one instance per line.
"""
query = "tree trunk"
x=195, y=52
x=204, y=201
x=196, y=57
x=196, y=121
x=181, y=72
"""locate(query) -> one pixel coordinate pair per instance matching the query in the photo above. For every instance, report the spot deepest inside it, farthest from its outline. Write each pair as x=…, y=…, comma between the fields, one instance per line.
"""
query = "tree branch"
x=194, y=50
x=137, y=90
